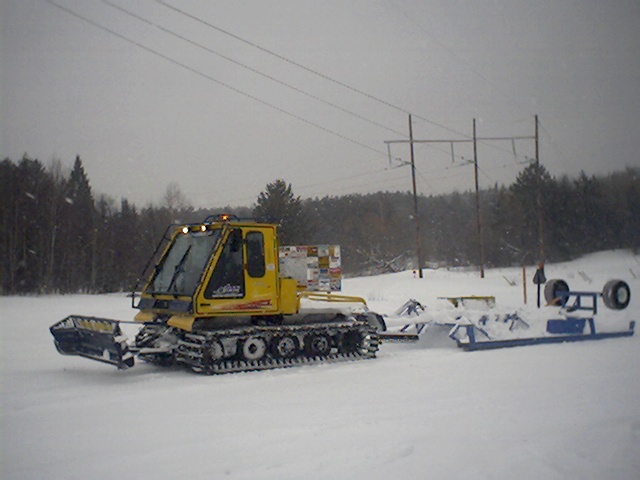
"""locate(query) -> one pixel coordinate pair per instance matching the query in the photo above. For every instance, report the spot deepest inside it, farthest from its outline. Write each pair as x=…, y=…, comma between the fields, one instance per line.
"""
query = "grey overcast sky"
x=225, y=96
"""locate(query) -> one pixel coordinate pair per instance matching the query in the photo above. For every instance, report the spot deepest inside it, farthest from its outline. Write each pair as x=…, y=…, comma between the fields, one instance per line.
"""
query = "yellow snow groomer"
x=215, y=301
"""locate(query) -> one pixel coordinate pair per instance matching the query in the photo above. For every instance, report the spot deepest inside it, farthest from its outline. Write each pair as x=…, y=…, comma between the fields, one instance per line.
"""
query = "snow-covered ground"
x=540, y=412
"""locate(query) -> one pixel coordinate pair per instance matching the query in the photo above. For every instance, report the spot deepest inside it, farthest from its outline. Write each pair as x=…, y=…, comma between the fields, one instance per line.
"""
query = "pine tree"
x=79, y=235
x=278, y=204
x=33, y=197
x=533, y=179
x=8, y=225
x=53, y=223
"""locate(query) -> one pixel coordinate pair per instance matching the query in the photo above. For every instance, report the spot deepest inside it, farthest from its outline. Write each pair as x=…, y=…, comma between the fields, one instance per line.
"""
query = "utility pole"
x=475, y=168
x=415, y=200
x=539, y=197
x=474, y=139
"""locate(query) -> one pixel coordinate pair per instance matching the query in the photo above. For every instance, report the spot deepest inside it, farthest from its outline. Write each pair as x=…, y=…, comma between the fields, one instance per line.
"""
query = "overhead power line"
x=458, y=58
x=561, y=154
x=213, y=79
x=304, y=67
x=247, y=67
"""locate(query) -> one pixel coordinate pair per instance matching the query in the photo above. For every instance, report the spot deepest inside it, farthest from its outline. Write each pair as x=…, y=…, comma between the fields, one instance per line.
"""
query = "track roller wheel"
x=286, y=346
x=616, y=294
x=215, y=351
x=317, y=344
x=253, y=348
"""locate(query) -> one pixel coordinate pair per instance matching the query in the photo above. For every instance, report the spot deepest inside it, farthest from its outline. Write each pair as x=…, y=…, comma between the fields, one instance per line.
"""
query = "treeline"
x=55, y=236
x=377, y=232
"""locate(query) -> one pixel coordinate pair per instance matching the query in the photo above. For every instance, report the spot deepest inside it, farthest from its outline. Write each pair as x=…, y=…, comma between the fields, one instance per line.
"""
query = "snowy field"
x=568, y=411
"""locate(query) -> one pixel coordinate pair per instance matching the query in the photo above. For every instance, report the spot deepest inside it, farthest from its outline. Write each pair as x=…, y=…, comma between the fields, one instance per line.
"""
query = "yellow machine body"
x=219, y=269
x=215, y=301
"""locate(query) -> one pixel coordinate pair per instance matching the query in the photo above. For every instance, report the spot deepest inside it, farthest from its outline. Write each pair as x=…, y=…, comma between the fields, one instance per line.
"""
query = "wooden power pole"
x=475, y=139
x=415, y=201
x=479, y=223
x=539, y=197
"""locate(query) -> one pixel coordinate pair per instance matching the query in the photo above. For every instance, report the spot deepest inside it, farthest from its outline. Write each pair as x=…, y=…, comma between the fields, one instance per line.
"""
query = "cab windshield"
x=180, y=270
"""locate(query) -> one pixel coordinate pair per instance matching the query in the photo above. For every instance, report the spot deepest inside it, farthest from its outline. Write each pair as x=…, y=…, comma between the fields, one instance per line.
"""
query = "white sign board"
x=315, y=267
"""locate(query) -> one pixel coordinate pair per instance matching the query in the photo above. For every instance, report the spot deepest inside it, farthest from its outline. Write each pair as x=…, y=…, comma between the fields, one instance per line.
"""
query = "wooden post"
x=479, y=224
x=415, y=200
x=539, y=198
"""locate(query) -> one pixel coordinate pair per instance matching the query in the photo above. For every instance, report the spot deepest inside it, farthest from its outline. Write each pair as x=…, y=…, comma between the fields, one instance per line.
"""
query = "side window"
x=227, y=280
x=255, y=254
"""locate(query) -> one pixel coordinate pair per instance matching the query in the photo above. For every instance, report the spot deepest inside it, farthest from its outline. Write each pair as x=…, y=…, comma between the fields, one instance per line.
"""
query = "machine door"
x=227, y=277
x=243, y=278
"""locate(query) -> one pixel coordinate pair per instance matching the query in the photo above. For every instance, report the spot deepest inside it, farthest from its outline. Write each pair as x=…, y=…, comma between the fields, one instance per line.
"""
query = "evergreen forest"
x=57, y=236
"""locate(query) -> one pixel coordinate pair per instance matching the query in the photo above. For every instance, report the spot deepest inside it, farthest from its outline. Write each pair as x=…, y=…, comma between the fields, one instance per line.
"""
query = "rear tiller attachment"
x=100, y=339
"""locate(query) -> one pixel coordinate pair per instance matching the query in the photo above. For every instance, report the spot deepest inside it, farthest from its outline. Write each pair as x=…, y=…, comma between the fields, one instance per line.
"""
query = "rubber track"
x=196, y=344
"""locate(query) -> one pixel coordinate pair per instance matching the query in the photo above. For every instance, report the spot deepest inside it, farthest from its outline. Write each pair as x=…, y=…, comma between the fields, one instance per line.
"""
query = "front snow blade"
x=97, y=338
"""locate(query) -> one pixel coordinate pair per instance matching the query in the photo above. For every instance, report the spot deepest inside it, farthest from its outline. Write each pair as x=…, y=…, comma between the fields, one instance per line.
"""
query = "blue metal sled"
x=558, y=337
x=488, y=329
x=559, y=330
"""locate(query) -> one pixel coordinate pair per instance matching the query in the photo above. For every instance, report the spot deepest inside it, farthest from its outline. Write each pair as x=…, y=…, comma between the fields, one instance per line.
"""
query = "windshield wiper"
x=179, y=268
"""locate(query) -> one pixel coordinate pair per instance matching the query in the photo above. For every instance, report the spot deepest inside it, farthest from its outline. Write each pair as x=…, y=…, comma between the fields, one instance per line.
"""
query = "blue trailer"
x=569, y=316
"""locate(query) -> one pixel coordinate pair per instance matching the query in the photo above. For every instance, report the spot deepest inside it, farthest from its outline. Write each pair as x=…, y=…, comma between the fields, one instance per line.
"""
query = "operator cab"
x=225, y=266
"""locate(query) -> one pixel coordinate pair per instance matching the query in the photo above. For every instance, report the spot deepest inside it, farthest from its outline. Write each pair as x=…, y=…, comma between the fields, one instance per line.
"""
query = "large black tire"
x=616, y=294
x=553, y=292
